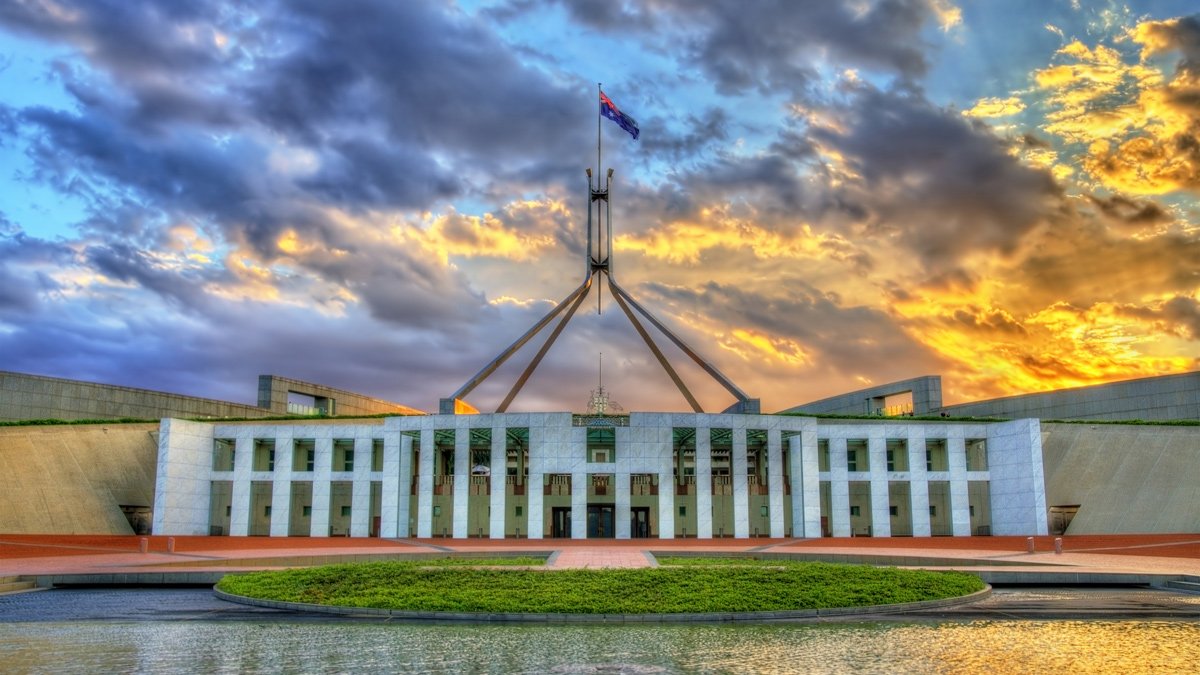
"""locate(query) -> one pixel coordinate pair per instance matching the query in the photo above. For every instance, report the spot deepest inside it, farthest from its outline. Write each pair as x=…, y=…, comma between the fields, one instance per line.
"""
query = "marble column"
x=704, y=511
x=881, y=517
x=239, y=510
x=322, y=475
x=775, y=482
x=389, y=500
x=425, y=485
x=741, y=496
x=839, y=489
x=498, y=485
x=281, y=484
x=462, y=481
x=360, y=495
x=960, y=503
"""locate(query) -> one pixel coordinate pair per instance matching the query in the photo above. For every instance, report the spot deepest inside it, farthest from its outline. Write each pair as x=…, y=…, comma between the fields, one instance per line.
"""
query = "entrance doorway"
x=639, y=527
x=560, y=522
x=600, y=521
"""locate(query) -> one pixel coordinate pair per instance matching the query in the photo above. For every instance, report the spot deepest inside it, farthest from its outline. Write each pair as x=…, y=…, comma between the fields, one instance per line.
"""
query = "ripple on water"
x=966, y=647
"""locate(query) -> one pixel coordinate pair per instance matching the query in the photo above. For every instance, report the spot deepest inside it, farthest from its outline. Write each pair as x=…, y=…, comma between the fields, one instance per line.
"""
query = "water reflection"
x=998, y=647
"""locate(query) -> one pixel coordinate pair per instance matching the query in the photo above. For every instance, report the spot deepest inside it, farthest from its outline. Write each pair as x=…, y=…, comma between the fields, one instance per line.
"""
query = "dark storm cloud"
x=127, y=264
x=1180, y=315
x=768, y=46
x=842, y=340
x=1131, y=212
x=941, y=184
x=22, y=280
x=1182, y=35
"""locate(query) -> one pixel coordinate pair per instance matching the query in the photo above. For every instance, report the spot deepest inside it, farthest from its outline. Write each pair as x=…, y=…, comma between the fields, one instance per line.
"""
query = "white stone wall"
x=1018, y=488
x=182, y=491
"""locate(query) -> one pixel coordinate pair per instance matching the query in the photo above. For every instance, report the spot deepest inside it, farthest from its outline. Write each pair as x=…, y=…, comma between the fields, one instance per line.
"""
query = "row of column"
x=805, y=498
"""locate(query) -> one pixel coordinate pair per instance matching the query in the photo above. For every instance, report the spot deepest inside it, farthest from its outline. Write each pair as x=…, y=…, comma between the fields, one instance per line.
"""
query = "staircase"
x=15, y=585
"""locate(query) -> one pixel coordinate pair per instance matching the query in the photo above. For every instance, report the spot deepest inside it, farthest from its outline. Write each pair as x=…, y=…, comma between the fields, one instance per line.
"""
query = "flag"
x=612, y=112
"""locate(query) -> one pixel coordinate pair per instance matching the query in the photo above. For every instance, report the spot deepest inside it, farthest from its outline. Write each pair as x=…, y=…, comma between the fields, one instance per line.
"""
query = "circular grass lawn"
x=695, y=587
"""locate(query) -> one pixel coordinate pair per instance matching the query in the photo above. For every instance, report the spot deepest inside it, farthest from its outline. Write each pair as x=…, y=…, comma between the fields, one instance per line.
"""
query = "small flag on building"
x=611, y=111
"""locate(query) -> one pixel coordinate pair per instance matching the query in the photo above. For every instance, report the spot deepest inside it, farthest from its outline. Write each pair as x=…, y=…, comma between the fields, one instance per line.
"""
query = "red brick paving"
x=44, y=554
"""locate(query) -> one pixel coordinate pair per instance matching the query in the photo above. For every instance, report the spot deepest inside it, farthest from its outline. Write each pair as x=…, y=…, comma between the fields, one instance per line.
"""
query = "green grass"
x=721, y=587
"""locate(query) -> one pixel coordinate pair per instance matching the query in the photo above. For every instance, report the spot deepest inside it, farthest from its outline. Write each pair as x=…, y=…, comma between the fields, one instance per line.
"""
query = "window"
x=306, y=511
x=893, y=510
x=977, y=454
x=857, y=455
x=267, y=510
x=897, y=454
x=936, y=457
x=932, y=510
x=822, y=454
x=345, y=511
x=223, y=452
x=682, y=511
x=854, y=510
x=377, y=454
x=310, y=460
x=517, y=510
x=343, y=455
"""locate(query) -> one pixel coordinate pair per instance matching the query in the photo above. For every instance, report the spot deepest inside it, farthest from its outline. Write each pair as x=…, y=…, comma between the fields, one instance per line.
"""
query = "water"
x=884, y=647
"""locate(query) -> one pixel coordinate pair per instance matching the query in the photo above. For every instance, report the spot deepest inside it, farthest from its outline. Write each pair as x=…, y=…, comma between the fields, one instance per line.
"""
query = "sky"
x=381, y=196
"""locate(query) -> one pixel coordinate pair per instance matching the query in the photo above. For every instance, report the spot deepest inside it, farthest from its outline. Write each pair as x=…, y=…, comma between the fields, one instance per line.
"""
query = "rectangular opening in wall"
x=223, y=454
x=857, y=455
x=516, y=470
x=220, y=500
x=897, y=454
x=300, y=511
x=939, y=508
x=261, y=494
x=979, y=496
x=977, y=454
x=264, y=454
x=936, y=457
x=900, y=508
x=861, y=524
x=479, y=452
x=376, y=455
x=341, y=502
x=343, y=455
x=822, y=454
x=304, y=454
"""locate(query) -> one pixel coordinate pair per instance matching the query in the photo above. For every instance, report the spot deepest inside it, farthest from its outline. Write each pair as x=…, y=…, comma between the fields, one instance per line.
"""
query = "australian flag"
x=612, y=112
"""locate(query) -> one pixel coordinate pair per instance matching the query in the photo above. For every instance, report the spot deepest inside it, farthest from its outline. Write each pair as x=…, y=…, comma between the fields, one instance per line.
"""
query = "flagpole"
x=599, y=239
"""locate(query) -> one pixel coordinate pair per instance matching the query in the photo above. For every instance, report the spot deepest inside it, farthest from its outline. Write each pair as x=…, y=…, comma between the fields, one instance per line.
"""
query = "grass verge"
x=665, y=590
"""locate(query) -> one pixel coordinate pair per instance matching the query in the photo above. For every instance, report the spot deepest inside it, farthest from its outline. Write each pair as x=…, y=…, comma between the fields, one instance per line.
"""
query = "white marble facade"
x=795, y=475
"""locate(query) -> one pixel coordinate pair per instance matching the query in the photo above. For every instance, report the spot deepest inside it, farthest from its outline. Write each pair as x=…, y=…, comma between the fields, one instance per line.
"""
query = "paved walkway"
x=595, y=557
x=25, y=555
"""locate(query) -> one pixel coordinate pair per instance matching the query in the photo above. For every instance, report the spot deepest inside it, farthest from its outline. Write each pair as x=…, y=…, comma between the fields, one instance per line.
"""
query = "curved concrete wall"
x=1125, y=478
x=73, y=479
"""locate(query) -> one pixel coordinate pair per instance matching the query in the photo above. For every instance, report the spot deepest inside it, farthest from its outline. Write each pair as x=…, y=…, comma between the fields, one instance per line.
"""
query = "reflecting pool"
x=885, y=647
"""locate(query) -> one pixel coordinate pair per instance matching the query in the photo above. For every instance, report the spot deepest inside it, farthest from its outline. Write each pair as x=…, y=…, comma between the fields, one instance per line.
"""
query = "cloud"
x=934, y=182
x=995, y=107
x=1140, y=125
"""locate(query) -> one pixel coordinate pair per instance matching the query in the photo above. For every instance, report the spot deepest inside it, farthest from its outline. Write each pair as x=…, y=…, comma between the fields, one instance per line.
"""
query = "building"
x=542, y=475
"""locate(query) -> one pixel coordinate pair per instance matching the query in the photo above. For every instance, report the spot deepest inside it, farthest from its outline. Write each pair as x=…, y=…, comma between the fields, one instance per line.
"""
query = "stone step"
x=15, y=586
x=9, y=580
x=1189, y=586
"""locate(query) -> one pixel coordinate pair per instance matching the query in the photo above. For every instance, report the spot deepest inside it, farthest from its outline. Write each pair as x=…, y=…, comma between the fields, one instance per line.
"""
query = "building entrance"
x=639, y=527
x=600, y=521
x=560, y=522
